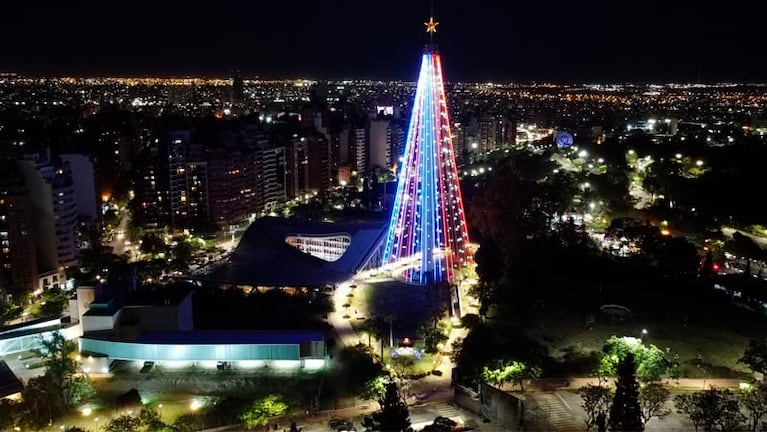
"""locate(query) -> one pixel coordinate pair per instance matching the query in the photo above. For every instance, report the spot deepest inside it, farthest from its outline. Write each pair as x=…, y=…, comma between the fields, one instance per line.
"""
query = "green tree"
x=123, y=423
x=513, y=372
x=262, y=410
x=393, y=415
x=432, y=336
x=191, y=422
x=595, y=402
x=652, y=399
x=150, y=420
x=41, y=404
x=754, y=400
x=489, y=258
x=651, y=362
x=625, y=412
x=152, y=244
x=71, y=386
x=183, y=253
x=52, y=302
x=374, y=389
x=755, y=356
x=9, y=311
x=355, y=369
x=402, y=366
x=9, y=410
x=75, y=429
x=711, y=410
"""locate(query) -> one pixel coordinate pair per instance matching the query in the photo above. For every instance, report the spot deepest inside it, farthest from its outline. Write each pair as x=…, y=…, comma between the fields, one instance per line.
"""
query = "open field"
x=408, y=305
x=702, y=351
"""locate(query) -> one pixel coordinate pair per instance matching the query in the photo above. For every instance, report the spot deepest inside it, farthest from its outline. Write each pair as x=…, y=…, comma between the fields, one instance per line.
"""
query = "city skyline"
x=490, y=41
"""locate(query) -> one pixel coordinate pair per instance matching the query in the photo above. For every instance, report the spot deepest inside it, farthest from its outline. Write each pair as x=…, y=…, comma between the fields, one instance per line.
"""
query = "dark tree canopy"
x=755, y=356
x=393, y=416
x=625, y=411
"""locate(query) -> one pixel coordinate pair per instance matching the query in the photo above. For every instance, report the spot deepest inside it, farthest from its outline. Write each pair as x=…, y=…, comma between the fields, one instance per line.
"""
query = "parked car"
x=147, y=367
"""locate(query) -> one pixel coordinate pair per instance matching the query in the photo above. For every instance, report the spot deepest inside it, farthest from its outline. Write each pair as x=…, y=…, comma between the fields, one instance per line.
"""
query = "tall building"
x=270, y=179
x=238, y=90
x=318, y=161
x=398, y=136
x=380, y=143
x=52, y=190
x=487, y=134
x=359, y=150
x=296, y=168
x=86, y=193
x=152, y=210
x=231, y=194
x=188, y=181
x=18, y=259
x=427, y=221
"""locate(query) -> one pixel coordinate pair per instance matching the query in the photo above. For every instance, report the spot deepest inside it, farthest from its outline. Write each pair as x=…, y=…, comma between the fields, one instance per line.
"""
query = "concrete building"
x=43, y=225
x=187, y=181
x=18, y=258
x=318, y=161
x=270, y=178
x=296, y=168
x=359, y=151
x=158, y=327
x=87, y=194
x=231, y=187
x=300, y=253
x=380, y=143
x=152, y=189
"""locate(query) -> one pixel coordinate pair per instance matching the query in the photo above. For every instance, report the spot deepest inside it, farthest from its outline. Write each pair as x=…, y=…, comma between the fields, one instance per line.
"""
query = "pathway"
x=559, y=414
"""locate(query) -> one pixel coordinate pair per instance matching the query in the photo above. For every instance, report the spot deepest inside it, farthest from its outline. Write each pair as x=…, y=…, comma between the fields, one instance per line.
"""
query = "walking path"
x=682, y=384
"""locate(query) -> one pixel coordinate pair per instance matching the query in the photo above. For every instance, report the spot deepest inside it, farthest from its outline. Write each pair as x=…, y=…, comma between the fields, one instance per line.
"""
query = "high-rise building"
x=52, y=189
x=487, y=134
x=18, y=259
x=188, y=181
x=296, y=168
x=152, y=210
x=359, y=150
x=86, y=194
x=380, y=143
x=398, y=136
x=231, y=194
x=238, y=90
x=270, y=173
x=427, y=222
x=318, y=162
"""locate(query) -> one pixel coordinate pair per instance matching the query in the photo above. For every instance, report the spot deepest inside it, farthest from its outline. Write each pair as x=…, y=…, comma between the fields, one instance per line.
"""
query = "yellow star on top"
x=431, y=26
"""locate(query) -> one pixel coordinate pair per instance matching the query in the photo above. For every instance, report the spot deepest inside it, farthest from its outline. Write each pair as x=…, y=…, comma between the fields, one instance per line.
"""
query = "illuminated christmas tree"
x=428, y=226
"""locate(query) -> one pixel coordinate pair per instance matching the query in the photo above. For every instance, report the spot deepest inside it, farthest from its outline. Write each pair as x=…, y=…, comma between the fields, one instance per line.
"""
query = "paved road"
x=761, y=241
x=346, y=334
x=420, y=416
x=555, y=412
x=121, y=236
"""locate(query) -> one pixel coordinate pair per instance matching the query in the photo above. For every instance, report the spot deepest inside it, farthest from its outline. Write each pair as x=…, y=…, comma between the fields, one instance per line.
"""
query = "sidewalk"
x=683, y=384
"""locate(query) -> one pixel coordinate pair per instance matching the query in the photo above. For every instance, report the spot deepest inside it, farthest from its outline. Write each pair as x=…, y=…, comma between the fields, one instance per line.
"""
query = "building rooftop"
x=263, y=258
x=9, y=382
x=202, y=337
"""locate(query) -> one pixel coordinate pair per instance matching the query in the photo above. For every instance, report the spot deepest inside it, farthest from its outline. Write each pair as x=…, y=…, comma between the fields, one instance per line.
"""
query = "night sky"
x=481, y=40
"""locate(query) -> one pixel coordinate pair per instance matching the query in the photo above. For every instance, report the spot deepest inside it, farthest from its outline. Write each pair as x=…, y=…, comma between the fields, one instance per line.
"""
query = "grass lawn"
x=409, y=305
x=719, y=349
x=170, y=406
